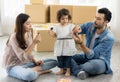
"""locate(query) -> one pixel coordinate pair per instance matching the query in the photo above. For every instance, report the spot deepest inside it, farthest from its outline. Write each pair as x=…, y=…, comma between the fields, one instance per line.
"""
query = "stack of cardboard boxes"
x=80, y=14
x=47, y=42
x=38, y=11
x=38, y=2
x=42, y=14
x=55, y=8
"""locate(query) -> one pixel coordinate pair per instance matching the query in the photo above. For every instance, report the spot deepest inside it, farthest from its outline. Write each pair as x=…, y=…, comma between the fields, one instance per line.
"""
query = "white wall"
x=116, y=25
x=0, y=21
x=113, y=5
x=10, y=9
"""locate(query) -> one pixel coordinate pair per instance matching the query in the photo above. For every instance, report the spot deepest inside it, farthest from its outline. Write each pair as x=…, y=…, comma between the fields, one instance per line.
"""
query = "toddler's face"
x=64, y=19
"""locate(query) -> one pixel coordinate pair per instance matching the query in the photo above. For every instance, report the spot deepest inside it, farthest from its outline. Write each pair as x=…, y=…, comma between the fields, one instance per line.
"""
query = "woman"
x=18, y=60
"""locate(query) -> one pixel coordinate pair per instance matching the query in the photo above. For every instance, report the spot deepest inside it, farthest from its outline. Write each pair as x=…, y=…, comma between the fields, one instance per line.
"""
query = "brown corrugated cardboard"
x=38, y=1
x=47, y=43
x=38, y=13
x=55, y=8
x=82, y=14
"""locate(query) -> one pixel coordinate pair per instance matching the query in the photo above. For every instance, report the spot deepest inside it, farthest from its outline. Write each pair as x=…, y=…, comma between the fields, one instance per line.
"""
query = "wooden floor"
x=115, y=64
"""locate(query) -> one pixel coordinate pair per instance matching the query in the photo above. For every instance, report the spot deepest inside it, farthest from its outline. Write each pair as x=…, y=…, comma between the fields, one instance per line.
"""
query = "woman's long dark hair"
x=20, y=31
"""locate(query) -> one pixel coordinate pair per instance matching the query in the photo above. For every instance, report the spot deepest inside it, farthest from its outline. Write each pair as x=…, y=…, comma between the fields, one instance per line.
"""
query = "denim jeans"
x=64, y=61
x=92, y=67
x=22, y=72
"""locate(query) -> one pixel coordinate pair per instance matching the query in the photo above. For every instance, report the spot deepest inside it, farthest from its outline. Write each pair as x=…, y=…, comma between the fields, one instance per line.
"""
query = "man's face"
x=99, y=21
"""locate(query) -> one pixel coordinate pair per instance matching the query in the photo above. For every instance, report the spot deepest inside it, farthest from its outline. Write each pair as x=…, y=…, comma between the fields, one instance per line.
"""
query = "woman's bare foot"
x=40, y=71
x=37, y=68
x=45, y=72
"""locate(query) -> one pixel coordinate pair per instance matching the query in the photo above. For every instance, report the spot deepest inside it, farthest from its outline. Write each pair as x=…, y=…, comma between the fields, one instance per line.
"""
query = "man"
x=96, y=55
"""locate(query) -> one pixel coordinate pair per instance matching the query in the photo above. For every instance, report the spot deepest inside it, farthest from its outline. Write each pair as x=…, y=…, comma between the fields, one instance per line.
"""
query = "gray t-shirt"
x=93, y=40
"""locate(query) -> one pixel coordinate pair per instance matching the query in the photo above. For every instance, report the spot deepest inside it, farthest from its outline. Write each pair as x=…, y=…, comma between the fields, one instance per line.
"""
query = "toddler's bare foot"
x=59, y=73
x=67, y=74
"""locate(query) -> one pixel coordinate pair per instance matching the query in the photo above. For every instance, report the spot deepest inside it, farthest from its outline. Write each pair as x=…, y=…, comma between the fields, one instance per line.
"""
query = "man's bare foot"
x=45, y=72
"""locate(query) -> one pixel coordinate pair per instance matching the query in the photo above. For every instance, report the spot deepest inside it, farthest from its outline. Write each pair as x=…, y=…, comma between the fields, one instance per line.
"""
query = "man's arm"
x=100, y=50
x=79, y=41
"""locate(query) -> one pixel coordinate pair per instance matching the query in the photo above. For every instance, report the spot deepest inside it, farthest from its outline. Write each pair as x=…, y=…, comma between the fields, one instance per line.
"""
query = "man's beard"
x=97, y=26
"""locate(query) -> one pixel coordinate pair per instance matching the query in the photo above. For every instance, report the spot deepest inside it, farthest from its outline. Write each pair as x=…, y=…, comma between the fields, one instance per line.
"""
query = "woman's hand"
x=39, y=62
x=37, y=39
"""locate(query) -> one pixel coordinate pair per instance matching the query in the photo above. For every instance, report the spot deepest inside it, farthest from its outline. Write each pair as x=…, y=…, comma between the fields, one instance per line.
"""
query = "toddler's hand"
x=77, y=29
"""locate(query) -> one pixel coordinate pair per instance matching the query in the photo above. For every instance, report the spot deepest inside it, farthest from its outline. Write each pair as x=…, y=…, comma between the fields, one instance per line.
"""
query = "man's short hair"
x=107, y=12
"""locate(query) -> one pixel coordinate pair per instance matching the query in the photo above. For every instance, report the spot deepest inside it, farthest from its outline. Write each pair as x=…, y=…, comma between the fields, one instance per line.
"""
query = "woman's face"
x=27, y=25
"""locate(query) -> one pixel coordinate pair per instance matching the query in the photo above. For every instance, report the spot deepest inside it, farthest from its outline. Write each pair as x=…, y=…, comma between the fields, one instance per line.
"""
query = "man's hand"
x=77, y=37
x=77, y=29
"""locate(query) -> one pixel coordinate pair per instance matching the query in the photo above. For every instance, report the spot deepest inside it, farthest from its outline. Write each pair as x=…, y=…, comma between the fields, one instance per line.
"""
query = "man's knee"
x=94, y=67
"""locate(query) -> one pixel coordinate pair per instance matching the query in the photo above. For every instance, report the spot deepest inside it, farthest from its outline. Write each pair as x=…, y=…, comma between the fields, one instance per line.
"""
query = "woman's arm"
x=20, y=53
x=36, y=40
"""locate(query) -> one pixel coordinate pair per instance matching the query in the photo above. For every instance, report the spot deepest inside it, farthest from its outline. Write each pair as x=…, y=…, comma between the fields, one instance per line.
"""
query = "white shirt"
x=65, y=47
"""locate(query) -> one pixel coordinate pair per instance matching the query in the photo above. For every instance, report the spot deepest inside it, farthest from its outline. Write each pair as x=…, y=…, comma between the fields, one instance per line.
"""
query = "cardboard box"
x=45, y=25
x=54, y=9
x=38, y=2
x=82, y=14
x=47, y=43
x=38, y=13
